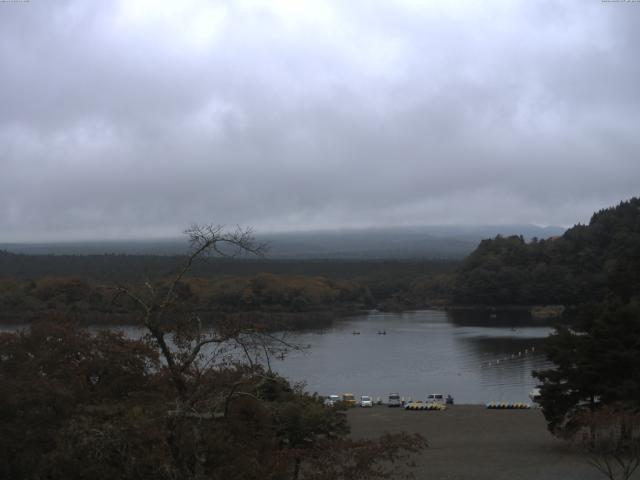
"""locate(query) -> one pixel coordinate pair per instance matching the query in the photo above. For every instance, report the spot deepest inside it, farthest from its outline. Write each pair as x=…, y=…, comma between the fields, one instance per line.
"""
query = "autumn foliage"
x=76, y=405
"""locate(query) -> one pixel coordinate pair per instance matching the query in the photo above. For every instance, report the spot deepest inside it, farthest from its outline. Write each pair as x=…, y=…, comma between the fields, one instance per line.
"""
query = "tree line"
x=305, y=292
x=89, y=299
x=588, y=262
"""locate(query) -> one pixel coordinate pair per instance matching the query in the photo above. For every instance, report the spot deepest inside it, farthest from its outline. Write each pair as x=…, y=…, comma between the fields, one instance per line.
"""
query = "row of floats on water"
x=514, y=356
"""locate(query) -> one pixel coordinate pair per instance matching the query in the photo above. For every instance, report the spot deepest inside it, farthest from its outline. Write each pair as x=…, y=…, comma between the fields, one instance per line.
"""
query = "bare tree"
x=610, y=437
x=188, y=338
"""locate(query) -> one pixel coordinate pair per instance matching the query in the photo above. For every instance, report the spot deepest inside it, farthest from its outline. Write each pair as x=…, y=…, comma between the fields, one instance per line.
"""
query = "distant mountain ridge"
x=429, y=242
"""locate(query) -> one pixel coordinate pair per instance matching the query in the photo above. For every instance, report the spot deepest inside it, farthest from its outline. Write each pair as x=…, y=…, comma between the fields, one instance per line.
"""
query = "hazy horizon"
x=510, y=229
x=444, y=242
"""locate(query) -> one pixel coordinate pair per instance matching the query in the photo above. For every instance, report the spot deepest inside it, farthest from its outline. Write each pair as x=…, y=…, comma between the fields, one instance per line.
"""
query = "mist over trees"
x=386, y=243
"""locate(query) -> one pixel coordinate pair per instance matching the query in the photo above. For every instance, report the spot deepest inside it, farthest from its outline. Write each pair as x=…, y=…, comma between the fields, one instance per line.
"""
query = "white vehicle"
x=534, y=395
x=331, y=400
x=435, y=398
x=366, y=401
x=394, y=400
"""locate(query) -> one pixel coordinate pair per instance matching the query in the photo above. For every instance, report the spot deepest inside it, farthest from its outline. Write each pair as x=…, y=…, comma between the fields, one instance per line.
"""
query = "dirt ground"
x=472, y=442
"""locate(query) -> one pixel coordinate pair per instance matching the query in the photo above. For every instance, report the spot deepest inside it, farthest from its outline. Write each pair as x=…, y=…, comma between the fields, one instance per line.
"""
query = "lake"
x=474, y=356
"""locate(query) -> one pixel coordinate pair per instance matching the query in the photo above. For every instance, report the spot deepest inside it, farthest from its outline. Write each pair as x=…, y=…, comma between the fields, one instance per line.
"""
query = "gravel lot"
x=471, y=442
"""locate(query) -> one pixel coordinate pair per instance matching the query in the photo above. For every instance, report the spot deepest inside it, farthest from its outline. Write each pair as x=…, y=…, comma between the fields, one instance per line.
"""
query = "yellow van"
x=349, y=399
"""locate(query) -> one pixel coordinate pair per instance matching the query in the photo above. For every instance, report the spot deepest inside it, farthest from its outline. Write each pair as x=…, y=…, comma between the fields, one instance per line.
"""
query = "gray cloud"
x=138, y=118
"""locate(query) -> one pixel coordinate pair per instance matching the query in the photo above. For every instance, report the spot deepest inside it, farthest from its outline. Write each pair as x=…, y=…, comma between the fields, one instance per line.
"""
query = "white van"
x=394, y=400
x=435, y=398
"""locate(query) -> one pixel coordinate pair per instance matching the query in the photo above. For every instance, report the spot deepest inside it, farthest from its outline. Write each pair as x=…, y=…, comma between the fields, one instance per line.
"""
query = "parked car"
x=366, y=401
x=435, y=398
x=349, y=399
x=414, y=405
x=394, y=400
x=331, y=400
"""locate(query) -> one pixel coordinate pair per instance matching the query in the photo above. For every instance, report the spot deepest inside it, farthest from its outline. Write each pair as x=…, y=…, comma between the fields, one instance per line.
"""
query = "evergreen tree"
x=587, y=263
x=597, y=362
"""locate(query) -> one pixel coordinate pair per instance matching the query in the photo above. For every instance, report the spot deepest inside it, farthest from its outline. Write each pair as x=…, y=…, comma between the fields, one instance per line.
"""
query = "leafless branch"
x=120, y=289
x=155, y=303
x=196, y=351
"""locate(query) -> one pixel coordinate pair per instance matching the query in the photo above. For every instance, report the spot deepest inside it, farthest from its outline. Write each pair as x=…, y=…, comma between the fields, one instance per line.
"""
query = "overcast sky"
x=138, y=118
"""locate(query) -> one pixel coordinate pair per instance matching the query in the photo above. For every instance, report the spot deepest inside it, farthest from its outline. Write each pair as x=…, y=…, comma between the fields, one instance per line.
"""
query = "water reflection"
x=475, y=359
x=495, y=317
x=422, y=352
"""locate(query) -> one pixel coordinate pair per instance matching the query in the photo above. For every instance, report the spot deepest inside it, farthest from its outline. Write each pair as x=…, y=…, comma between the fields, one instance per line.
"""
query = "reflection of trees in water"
x=501, y=346
x=506, y=358
x=501, y=360
x=494, y=317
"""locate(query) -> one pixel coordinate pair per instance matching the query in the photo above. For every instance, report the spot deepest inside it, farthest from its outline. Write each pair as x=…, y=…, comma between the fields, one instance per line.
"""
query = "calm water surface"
x=475, y=358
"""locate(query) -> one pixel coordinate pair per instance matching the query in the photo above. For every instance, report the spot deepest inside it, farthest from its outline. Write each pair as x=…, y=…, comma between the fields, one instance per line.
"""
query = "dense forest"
x=265, y=295
x=298, y=292
x=587, y=263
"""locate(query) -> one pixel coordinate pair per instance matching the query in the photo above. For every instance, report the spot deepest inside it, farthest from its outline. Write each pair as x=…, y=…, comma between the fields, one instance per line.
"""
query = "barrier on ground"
x=425, y=406
x=508, y=405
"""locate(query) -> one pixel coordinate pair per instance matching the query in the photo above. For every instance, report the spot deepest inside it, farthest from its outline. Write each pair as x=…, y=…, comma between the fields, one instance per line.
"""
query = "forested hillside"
x=35, y=285
x=585, y=264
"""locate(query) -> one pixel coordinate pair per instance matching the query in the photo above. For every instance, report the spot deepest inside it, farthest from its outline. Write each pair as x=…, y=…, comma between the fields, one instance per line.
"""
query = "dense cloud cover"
x=134, y=118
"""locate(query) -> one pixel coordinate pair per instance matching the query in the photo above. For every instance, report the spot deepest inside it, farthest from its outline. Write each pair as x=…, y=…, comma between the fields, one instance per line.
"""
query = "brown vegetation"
x=179, y=404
